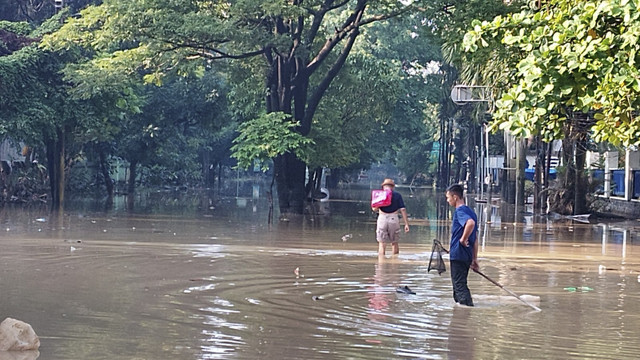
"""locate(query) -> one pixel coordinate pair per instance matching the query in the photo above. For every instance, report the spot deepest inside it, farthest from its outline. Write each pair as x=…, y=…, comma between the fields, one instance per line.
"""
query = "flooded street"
x=197, y=280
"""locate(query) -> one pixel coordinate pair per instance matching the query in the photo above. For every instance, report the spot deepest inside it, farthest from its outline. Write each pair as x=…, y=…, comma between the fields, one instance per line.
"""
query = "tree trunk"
x=208, y=169
x=441, y=182
x=580, y=199
x=508, y=181
x=288, y=89
x=219, y=179
x=105, y=174
x=334, y=178
x=55, y=162
x=288, y=84
x=521, y=145
x=290, y=176
x=547, y=174
x=538, y=176
x=131, y=185
x=133, y=173
x=564, y=201
x=571, y=197
x=314, y=184
x=445, y=154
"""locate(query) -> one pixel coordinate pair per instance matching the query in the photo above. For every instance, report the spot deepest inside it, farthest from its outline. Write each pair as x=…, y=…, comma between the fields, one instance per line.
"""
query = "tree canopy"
x=302, y=45
x=568, y=56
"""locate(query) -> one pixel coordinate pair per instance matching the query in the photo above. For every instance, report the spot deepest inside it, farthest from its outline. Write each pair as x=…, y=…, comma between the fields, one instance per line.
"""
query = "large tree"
x=575, y=78
x=39, y=107
x=302, y=44
x=34, y=107
x=176, y=129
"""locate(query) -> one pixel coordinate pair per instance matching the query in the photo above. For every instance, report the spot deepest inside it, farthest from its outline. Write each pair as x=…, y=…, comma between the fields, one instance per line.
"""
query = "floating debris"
x=405, y=290
x=578, y=288
x=347, y=237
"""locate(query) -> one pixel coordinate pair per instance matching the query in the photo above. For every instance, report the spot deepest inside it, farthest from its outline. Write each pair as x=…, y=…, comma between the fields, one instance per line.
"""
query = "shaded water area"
x=194, y=277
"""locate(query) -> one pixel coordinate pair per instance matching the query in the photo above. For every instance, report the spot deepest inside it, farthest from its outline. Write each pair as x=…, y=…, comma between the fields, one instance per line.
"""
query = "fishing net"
x=436, y=262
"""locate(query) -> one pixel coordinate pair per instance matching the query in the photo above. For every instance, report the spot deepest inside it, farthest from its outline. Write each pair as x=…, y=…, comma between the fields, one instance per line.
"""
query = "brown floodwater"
x=199, y=277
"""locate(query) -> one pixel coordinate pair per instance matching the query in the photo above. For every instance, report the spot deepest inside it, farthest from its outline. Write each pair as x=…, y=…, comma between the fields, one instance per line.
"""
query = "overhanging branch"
x=314, y=100
x=349, y=25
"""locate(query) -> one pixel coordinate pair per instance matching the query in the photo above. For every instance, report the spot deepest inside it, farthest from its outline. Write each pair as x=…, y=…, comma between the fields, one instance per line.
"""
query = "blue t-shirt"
x=457, y=251
x=396, y=203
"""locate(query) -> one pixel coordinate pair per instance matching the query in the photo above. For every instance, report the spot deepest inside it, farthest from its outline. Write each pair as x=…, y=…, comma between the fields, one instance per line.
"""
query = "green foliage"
x=36, y=11
x=414, y=157
x=408, y=64
x=574, y=55
x=35, y=101
x=29, y=93
x=267, y=136
x=19, y=28
x=26, y=184
x=179, y=123
x=112, y=48
x=359, y=100
x=156, y=39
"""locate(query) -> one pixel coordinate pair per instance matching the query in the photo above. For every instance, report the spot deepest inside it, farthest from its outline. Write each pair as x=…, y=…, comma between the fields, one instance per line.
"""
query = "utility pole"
x=461, y=95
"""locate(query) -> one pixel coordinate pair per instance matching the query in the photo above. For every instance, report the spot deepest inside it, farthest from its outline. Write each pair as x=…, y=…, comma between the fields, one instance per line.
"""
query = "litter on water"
x=578, y=288
x=405, y=290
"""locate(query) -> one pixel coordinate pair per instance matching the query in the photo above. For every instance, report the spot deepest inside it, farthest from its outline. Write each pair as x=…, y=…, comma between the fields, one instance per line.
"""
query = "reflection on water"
x=205, y=277
x=382, y=292
x=461, y=336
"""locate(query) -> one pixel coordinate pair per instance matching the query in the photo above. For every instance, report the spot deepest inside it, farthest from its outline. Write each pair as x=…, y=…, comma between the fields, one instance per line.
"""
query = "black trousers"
x=459, y=274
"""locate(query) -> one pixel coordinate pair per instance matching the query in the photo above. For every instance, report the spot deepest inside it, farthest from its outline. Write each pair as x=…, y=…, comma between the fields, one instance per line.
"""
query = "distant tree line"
x=176, y=91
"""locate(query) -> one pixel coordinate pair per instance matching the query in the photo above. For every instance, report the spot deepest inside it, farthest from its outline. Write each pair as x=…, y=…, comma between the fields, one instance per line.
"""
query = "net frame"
x=436, y=262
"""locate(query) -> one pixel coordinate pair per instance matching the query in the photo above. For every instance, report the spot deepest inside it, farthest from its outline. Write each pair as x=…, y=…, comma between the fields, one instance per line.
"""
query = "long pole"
x=487, y=171
x=481, y=161
x=507, y=290
x=437, y=242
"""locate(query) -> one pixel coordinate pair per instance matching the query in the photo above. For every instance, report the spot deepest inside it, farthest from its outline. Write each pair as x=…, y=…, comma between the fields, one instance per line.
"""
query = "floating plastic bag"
x=380, y=198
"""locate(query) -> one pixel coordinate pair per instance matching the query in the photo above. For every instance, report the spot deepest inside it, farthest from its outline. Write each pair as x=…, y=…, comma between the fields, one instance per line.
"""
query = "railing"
x=618, y=182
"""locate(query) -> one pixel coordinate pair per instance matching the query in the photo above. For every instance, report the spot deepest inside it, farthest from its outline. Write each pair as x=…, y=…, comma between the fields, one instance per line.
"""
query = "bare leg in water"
x=382, y=248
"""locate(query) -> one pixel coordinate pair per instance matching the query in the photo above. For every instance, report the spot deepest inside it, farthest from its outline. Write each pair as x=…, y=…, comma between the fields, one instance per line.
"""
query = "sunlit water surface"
x=201, y=278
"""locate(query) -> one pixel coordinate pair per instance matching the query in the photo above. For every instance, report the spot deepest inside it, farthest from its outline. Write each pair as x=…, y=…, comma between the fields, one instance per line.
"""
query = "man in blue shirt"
x=388, y=224
x=463, y=248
